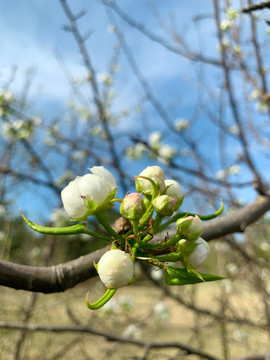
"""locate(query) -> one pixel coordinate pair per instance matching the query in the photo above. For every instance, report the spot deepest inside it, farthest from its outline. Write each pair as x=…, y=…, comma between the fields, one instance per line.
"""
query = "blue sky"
x=31, y=34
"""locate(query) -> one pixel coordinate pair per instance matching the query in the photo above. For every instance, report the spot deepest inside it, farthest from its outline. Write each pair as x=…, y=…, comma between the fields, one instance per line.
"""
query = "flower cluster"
x=146, y=213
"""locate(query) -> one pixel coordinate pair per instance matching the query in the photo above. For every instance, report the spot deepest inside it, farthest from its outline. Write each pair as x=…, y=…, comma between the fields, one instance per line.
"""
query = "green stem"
x=102, y=219
x=155, y=228
x=183, y=214
x=94, y=234
x=172, y=257
x=172, y=241
x=101, y=301
x=146, y=217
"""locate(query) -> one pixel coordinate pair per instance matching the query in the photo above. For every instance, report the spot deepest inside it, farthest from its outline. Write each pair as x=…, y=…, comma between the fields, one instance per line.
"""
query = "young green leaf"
x=179, y=276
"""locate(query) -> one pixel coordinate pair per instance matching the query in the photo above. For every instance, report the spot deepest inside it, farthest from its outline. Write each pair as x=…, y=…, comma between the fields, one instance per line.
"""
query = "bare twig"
x=109, y=336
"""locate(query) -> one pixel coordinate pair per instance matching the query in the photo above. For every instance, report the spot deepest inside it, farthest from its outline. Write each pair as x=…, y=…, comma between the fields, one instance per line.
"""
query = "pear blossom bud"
x=132, y=206
x=164, y=205
x=174, y=190
x=72, y=200
x=156, y=174
x=89, y=193
x=115, y=269
x=199, y=254
x=190, y=227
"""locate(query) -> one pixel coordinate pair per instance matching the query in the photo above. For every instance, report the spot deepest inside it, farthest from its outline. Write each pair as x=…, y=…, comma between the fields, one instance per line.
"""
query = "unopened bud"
x=193, y=253
x=115, y=269
x=174, y=190
x=164, y=205
x=199, y=254
x=156, y=174
x=132, y=206
x=190, y=227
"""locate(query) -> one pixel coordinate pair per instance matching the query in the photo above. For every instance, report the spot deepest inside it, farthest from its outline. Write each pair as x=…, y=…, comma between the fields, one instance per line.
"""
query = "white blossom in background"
x=232, y=13
x=65, y=177
x=126, y=303
x=227, y=285
x=97, y=131
x=59, y=217
x=105, y=78
x=254, y=95
x=181, y=124
x=234, y=129
x=221, y=174
x=154, y=139
x=166, y=153
x=225, y=44
x=111, y=307
x=156, y=274
x=135, y=152
x=225, y=25
x=78, y=155
x=234, y=170
x=265, y=246
x=262, y=107
x=162, y=313
x=237, y=49
x=111, y=28
x=232, y=269
x=7, y=96
x=132, y=331
x=240, y=335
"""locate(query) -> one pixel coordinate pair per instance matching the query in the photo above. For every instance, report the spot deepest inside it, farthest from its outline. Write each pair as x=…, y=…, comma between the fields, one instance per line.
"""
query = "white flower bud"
x=190, y=227
x=174, y=190
x=72, y=200
x=115, y=269
x=132, y=206
x=164, y=205
x=89, y=193
x=156, y=174
x=199, y=254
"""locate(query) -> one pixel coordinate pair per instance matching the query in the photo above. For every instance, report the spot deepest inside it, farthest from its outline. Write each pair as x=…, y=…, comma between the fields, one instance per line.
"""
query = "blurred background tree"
x=181, y=86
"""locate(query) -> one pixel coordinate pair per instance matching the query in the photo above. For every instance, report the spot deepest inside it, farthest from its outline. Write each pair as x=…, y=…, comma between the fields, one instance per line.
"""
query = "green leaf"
x=74, y=229
x=179, y=276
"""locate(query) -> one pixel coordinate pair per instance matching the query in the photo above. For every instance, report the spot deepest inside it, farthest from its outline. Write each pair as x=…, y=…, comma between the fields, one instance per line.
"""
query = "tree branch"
x=64, y=276
x=109, y=336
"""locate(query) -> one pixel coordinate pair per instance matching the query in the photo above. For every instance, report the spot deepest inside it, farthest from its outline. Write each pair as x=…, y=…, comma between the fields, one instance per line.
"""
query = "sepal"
x=68, y=230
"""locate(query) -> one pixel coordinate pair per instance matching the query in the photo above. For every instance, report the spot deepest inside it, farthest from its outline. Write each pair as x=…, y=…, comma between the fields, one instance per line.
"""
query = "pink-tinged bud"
x=199, y=254
x=164, y=205
x=174, y=190
x=190, y=227
x=115, y=269
x=132, y=206
x=156, y=174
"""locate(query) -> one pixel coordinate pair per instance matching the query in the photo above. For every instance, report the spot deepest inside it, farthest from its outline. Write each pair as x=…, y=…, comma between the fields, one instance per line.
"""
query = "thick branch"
x=49, y=279
x=237, y=221
x=64, y=276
